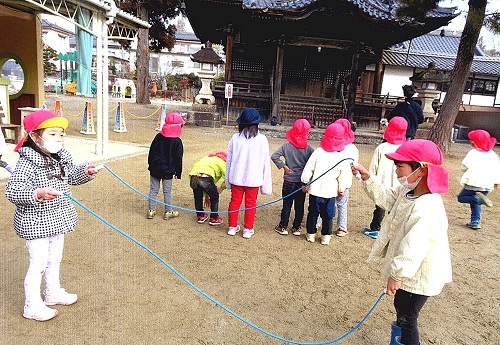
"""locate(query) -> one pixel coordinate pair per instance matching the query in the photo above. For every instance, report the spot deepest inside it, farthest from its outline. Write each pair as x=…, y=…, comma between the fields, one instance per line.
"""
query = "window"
x=177, y=64
x=13, y=70
x=477, y=86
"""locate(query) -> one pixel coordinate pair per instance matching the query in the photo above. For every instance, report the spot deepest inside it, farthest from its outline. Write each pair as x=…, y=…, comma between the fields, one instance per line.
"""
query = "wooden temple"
x=304, y=58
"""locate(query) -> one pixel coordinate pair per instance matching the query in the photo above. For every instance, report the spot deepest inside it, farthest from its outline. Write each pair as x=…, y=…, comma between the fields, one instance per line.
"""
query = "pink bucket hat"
x=298, y=134
x=41, y=119
x=482, y=140
x=395, y=133
x=348, y=132
x=333, y=139
x=221, y=154
x=426, y=153
x=173, y=125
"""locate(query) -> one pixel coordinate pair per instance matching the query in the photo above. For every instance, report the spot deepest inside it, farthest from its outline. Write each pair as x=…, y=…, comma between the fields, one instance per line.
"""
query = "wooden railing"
x=243, y=89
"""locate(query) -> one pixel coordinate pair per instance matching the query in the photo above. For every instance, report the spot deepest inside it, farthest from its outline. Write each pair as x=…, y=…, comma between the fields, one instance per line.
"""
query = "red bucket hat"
x=298, y=134
x=395, y=133
x=221, y=154
x=426, y=153
x=333, y=139
x=482, y=140
x=173, y=125
x=348, y=132
x=41, y=119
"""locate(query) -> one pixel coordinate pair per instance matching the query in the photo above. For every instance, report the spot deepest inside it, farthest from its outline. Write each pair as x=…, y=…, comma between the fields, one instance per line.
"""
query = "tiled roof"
x=382, y=9
x=46, y=24
x=186, y=36
x=441, y=50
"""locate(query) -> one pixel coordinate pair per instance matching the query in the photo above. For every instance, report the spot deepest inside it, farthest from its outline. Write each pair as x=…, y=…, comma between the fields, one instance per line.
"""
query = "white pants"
x=45, y=259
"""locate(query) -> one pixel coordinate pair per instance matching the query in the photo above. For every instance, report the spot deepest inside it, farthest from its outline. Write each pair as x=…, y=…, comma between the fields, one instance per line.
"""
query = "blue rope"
x=221, y=212
x=204, y=294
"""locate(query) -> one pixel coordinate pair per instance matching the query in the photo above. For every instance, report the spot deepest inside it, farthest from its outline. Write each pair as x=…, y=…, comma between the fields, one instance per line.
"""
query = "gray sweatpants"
x=154, y=188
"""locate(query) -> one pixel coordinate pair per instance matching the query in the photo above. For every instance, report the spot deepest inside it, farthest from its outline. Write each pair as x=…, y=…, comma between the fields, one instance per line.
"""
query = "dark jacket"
x=165, y=157
x=412, y=112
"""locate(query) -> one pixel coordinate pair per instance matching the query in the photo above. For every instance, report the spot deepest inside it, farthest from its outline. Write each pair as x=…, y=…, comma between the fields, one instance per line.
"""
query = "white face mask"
x=50, y=146
x=404, y=181
x=53, y=146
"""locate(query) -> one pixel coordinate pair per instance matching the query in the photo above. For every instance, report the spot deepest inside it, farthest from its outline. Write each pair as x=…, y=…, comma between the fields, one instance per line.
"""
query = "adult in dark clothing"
x=410, y=110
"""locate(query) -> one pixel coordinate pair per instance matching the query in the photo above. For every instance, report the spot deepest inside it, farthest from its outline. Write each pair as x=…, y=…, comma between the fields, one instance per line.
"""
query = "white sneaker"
x=39, y=313
x=310, y=237
x=247, y=233
x=233, y=230
x=60, y=297
x=325, y=239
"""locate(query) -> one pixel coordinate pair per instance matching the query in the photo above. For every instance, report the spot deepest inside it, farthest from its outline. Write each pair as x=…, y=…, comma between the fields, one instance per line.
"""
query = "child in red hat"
x=295, y=152
x=350, y=151
x=327, y=182
x=165, y=163
x=481, y=168
x=203, y=178
x=413, y=238
x=43, y=216
x=384, y=168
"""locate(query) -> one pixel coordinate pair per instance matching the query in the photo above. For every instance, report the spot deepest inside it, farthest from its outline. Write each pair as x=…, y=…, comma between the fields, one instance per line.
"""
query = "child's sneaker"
x=370, y=233
x=281, y=230
x=325, y=239
x=39, y=313
x=171, y=214
x=151, y=214
x=233, y=230
x=296, y=232
x=310, y=237
x=59, y=297
x=474, y=225
x=216, y=221
x=202, y=219
x=341, y=232
x=483, y=200
x=247, y=233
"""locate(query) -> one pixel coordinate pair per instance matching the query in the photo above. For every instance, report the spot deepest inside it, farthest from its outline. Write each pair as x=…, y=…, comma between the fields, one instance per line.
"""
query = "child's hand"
x=361, y=170
x=219, y=190
x=47, y=193
x=207, y=201
x=341, y=194
x=93, y=169
x=287, y=170
x=305, y=189
x=393, y=286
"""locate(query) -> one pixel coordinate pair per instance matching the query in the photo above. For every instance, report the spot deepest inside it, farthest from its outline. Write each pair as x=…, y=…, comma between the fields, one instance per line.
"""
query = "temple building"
x=304, y=58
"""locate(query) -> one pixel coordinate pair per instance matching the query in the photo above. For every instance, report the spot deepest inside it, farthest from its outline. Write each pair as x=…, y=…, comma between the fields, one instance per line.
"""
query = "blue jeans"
x=408, y=306
x=297, y=199
x=341, y=203
x=205, y=185
x=467, y=196
x=324, y=207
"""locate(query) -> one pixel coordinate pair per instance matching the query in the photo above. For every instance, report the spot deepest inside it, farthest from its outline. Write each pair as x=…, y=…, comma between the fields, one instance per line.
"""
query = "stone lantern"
x=427, y=82
x=208, y=60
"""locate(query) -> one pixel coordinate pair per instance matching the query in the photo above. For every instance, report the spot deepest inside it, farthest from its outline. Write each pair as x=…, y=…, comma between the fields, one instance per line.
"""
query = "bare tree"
x=440, y=131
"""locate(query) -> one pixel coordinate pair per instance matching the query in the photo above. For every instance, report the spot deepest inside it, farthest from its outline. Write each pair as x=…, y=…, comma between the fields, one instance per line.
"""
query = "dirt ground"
x=300, y=291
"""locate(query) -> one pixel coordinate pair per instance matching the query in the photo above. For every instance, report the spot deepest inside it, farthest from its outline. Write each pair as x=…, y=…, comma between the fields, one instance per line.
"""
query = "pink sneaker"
x=39, y=313
x=60, y=297
x=247, y=233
